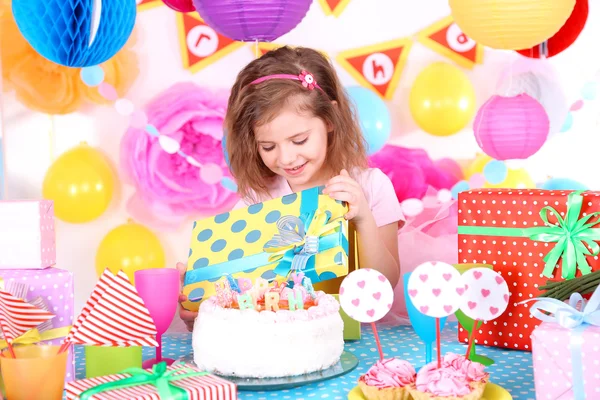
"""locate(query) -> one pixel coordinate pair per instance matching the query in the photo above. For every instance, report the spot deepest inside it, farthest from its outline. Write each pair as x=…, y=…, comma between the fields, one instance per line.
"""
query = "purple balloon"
x=183, y=6
x=250, y=20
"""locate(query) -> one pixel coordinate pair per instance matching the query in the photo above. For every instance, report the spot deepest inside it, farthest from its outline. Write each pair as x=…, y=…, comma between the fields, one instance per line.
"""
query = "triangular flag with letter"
x=333, y=7
x=200, y=44
x=378, y=66
x=143, y=5
x=446, y=38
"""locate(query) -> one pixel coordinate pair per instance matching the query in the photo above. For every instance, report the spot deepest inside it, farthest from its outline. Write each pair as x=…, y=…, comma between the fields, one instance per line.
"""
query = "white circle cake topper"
x=436, y=289
x=366, y=295
x=486, y=294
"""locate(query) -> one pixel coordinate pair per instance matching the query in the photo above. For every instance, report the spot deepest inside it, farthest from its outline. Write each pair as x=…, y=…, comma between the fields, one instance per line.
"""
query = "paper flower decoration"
x=44, y=86
x=170, y=188
x=411, y=171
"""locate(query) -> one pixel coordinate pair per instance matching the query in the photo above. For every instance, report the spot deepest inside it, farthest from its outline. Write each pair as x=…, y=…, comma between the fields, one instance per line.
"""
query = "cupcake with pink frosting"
x=457, y=379
x=388, y=379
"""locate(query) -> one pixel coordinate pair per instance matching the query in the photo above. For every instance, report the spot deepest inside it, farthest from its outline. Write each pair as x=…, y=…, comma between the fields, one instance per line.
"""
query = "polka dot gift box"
x=305, y=231
x=27, y=239
x=54, y=288
x=529, y=237
x=566, y=348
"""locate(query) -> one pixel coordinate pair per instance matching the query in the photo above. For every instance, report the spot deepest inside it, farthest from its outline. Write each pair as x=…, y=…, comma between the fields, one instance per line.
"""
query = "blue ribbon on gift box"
x=576, y=315
x=300, y=256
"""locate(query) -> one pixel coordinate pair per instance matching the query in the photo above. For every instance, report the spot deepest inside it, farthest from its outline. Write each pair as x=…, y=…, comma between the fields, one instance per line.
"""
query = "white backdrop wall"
x=33, y=140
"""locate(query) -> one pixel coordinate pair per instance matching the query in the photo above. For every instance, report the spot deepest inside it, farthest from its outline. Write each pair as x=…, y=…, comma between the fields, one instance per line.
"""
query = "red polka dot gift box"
x=529, y=237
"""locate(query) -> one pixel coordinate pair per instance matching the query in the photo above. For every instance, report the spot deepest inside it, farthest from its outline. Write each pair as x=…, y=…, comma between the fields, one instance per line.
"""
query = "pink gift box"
x=206, y=387
x=55, y=287
x=27, y=237
x=553, y=368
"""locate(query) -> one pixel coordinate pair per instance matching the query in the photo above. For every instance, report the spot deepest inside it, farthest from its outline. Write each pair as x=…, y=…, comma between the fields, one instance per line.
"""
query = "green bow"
x=159, y=378
x=570, y=234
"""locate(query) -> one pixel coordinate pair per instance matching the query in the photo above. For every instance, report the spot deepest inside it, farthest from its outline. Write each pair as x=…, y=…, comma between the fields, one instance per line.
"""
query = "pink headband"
x=306, y=78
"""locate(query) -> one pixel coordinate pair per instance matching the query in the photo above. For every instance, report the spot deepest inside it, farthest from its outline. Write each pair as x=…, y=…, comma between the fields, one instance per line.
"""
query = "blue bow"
x=575, y=315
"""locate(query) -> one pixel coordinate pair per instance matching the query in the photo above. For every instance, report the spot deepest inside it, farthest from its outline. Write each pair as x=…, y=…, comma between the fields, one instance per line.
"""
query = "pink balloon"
x=476, y=181
x=139, y=119
x=511, y=127
x=183, y=6
x=108, y=91
x=211, y=173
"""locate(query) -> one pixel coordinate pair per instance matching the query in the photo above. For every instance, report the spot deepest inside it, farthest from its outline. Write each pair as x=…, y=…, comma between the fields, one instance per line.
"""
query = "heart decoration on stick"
x=367, y=296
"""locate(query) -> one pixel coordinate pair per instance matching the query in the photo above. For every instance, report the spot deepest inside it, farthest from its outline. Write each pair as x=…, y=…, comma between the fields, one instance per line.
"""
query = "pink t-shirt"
x=377, y=187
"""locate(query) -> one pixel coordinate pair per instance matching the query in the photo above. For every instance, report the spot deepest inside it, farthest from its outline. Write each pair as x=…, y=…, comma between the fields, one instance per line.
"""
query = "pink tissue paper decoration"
x=169, y=189
x=411, y=171
x=508, y=128
x=430, y=235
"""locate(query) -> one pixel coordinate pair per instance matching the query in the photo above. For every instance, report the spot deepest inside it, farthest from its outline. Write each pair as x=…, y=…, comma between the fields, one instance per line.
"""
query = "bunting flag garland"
x=17, y=316
x=200, y=44
x=114, y=315
x=333, y=7
x=143, y=5
x=378, y=66
x=447, y=39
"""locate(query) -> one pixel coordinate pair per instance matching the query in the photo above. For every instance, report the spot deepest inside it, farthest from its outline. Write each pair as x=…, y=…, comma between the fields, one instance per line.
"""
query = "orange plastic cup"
x=37, y=373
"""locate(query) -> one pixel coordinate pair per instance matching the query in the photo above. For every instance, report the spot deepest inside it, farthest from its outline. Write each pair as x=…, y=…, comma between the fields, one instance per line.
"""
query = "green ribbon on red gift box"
x=160, y=378
x=571, y=235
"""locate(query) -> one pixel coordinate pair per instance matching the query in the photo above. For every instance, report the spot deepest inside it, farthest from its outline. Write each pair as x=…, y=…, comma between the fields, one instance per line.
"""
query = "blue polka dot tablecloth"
x=512, y=369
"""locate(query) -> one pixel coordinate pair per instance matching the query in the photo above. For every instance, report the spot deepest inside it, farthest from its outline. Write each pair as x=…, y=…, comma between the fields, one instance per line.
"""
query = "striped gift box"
x=206, y=387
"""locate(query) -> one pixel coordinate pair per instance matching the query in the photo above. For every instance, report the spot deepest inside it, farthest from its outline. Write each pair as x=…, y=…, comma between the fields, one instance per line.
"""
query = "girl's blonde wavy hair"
x=252, y=105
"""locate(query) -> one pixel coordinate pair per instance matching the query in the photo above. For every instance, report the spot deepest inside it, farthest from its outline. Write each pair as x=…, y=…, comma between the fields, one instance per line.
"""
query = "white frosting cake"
x=251, y=343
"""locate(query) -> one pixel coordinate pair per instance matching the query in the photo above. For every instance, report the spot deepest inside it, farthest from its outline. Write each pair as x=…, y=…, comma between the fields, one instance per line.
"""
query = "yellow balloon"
x=129, y=247
x=477, y=165
x=442, y=99
x=81, y=184
x=515, y=179
x=510, y=24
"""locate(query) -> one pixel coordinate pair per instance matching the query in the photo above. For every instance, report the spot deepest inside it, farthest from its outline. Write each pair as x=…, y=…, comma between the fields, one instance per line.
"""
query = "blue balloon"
x=562, y=184
x=229, y=184
x=68, y=33
x=374, y=117
x=495, y=172
x=423, y=325
x=460, y=186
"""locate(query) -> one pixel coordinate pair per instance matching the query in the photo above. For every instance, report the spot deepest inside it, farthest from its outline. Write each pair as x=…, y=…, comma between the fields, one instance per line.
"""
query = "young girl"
x=291, y=127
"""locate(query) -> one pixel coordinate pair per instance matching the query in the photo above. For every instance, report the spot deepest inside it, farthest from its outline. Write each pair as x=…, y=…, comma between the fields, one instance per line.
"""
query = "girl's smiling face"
x=294, y=145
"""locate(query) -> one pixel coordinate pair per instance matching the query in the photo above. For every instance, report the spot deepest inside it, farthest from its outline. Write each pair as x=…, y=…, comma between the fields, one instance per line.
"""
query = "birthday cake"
x=267, y=330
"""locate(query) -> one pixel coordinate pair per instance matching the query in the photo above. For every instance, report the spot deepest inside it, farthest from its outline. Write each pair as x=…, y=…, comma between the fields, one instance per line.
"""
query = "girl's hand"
x=186, y=316
x=344, y=188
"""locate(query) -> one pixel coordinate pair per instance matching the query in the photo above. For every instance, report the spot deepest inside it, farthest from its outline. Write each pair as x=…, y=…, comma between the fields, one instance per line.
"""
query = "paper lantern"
x=75, y=33
x=510, y=24
x=251, y=20
x=566, y=36
x=511, y=127
x=539, y=80
x=183, y=6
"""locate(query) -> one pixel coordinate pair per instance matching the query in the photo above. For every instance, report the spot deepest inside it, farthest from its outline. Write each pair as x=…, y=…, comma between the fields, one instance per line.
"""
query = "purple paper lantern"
x=251, y=20
x=508, y=128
